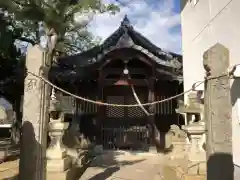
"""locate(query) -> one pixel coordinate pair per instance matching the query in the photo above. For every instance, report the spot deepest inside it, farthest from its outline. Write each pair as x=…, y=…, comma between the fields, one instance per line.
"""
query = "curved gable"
x=124, y=37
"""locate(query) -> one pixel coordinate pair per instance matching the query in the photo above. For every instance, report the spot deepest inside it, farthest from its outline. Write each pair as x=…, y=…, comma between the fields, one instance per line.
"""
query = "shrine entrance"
x=124, y=127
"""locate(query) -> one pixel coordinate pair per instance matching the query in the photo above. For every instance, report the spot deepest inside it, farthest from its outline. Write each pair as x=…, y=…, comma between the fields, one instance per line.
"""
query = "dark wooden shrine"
x=105, y=72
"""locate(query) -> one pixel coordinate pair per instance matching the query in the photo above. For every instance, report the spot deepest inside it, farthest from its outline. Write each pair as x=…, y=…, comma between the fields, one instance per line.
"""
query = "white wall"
x=203, y=25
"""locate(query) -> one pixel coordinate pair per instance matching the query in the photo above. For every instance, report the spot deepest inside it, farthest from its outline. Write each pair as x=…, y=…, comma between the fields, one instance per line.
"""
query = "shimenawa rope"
x=126, y=105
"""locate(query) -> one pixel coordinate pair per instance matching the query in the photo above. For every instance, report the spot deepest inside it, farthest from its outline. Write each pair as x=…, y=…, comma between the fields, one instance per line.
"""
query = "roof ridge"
x=126, y=22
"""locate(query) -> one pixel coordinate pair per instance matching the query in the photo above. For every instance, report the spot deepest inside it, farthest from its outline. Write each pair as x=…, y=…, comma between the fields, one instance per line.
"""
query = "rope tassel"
x=139, y=102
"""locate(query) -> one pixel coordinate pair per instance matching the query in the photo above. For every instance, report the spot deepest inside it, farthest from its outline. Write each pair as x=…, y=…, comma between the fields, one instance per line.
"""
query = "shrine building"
x=105, y=73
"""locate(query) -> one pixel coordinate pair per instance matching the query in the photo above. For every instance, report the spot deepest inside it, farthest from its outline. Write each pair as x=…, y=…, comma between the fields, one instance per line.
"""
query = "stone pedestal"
x=180, y=143
x=57, y=159
x=3, y=155
x=196, y=132
x=58, y=162
x=180, y=150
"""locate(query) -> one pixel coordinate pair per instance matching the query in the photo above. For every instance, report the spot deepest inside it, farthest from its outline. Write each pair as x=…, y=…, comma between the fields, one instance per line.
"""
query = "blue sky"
x=158, y=20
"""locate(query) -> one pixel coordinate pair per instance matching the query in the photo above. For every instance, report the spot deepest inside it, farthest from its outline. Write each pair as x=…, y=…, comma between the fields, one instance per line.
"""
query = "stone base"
x=186, y=170
x=197, y=156
x=59, y=165
x=197, y=168
x=3, y=155
x=73, y=173
x=194, y=177
x=193, y=171
x=179, y=150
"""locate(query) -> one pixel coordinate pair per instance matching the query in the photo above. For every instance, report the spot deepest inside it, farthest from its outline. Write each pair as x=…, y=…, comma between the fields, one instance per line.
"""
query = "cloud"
x=157, y=20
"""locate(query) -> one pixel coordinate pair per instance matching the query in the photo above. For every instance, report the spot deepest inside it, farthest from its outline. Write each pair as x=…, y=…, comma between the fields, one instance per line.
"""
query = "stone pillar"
x=35, y=118
x=217, y=114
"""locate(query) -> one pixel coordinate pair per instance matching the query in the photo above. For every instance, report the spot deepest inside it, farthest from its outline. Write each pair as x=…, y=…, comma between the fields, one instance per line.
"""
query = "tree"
x=11, y=60
x=20, y=21
x=20, y=24
x=58, y=16
x=11, y=68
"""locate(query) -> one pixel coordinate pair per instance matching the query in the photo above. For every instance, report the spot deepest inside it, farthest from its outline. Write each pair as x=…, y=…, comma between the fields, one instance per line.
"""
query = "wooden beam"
x=77, y=101
x=101, y=109
x=105, y=63
x=126, y=54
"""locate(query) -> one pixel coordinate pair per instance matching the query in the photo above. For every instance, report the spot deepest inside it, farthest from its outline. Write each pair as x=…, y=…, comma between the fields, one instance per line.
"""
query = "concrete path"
x=113, y=165
x=121, y=165
x=8, y=153
x=9, y=170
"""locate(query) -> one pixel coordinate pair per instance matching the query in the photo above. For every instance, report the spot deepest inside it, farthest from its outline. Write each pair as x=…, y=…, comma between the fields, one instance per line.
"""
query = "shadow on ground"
x=220, y=167
x=110, y=162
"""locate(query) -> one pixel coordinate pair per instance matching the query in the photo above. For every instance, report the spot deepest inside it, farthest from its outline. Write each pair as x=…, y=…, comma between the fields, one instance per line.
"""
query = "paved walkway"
x=120, y=165
x=113, y=165
x=9, y=153
x=128, y=166
x=9, y=170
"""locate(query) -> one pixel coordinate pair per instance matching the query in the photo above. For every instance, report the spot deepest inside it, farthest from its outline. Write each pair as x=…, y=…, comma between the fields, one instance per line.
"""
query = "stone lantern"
x=193, y=110
x=196, y=132
x=57, y=159
x=194, y=126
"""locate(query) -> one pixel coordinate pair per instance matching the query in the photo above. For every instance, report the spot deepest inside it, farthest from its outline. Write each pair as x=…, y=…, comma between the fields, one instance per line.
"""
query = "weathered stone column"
x=217, y=114
x=35, y=118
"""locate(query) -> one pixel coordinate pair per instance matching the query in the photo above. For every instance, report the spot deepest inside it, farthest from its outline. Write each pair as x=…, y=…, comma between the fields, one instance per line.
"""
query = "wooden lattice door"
x=124, y=127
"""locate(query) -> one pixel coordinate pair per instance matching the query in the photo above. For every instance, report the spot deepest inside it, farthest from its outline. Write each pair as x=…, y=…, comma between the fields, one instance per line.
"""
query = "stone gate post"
x=218, y=114
x=35, y=119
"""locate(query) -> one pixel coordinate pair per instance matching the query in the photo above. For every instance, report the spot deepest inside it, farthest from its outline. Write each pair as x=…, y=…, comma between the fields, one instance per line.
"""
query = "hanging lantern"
x=125, y=70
